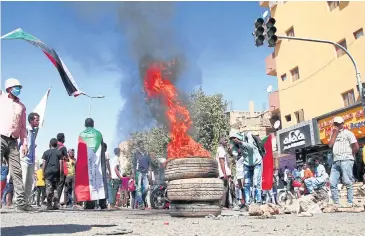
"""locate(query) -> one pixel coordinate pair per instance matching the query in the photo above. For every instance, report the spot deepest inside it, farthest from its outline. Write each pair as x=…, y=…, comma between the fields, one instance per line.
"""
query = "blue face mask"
x=15, y=91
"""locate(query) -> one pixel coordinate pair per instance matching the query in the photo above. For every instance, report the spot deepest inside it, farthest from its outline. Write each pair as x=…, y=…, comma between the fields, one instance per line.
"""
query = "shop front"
x=296, y=142
x=354, y=121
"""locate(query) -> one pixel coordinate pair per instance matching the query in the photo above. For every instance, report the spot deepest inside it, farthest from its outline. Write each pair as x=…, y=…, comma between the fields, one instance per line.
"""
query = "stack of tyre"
x=193, y=188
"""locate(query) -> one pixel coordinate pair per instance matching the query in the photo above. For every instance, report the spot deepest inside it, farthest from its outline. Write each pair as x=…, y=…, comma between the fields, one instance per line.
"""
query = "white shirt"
x=286, y=172
x=113, y=162
x=222, y=154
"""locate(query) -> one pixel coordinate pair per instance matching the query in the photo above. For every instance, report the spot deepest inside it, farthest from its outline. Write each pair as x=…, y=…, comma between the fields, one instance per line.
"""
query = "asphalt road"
x=153, y=222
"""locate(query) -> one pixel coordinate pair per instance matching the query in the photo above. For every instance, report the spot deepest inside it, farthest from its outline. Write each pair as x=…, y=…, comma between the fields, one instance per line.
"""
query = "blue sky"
x=218, y=35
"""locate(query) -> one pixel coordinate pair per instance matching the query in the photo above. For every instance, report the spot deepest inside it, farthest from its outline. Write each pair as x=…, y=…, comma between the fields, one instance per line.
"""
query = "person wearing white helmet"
x=344, y=147
x=13, y=123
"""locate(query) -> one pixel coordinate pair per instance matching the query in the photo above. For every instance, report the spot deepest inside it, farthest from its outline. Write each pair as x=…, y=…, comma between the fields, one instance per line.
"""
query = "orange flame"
x=181, y=144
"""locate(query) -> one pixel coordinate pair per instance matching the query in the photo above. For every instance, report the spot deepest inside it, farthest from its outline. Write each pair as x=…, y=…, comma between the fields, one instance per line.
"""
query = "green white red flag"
x=90, y=183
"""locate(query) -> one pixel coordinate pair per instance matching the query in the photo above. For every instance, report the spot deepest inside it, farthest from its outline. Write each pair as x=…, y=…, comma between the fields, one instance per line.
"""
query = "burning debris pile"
x=157, y=85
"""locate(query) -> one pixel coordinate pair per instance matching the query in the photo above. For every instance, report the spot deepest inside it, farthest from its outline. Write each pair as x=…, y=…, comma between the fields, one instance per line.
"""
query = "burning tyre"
x=197, y=189
x=187, y=168
x=194, y=209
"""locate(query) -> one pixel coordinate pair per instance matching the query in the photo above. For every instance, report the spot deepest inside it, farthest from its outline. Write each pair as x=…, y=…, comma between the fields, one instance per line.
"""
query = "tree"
x=209, y=123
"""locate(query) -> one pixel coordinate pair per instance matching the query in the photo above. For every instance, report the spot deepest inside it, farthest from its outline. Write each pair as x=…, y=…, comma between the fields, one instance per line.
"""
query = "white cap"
x=11, y=82
x=338, y=120
x=235, y=135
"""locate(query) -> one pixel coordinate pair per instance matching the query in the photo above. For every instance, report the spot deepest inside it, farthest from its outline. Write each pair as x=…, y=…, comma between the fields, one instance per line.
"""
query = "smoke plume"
x=150, y=35
x=148, y=32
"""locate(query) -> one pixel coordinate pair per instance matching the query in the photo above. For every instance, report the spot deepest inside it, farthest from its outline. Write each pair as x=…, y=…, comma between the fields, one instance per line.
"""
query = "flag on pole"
x=89, y=172
x=41, y=108
x=268, y=164
x=67, y=79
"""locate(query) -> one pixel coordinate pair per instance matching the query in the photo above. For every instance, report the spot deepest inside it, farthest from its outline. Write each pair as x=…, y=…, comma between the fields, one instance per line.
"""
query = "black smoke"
x=148, y=33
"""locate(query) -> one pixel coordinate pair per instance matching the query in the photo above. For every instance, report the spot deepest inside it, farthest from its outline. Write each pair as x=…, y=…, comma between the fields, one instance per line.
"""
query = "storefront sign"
x=354, y=121
x=296, y=138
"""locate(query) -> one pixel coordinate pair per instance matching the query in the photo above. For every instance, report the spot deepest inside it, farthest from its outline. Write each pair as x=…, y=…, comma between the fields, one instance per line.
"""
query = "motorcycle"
x=158, y=196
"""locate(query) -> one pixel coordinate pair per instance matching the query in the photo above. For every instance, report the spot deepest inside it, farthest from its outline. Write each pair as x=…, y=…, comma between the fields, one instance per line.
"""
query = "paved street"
x=149, y=222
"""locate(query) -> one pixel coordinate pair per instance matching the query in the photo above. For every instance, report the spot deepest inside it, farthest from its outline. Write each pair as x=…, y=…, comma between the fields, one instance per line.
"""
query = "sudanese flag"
x=67, y=79
x=90, y=171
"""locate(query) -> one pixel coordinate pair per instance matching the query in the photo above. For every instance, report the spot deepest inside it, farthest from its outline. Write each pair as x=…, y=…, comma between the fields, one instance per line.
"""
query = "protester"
x=13, y=127
x=91, y=148
x=252, y=169
x=132, y=190
x=52, y=169
x=27, y=161
x=344, y=146
x=4, y=178
x=115, y=177
x=7, y=197
x=124, y=193
x=70, y=177
x=141, y=165
x=319, y=179
x=41, y=185
x=61, y=147
x=242, y=152
x=286, y=176
x=224, y=170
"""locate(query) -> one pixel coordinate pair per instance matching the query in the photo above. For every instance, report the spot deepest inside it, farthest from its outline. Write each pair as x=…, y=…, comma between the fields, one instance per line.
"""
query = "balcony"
x=274, y=102
x=271, y=65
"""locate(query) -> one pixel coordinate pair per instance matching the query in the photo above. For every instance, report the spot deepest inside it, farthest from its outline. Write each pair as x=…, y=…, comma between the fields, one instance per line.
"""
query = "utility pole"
x=269, y=34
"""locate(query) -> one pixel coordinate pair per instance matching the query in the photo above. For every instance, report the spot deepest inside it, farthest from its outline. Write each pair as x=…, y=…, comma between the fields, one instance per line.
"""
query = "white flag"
x=41, y=108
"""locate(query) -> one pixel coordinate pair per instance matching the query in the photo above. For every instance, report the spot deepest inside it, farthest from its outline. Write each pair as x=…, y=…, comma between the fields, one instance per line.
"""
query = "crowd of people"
x=60, y=171
x=23, y=181
x=245, y=149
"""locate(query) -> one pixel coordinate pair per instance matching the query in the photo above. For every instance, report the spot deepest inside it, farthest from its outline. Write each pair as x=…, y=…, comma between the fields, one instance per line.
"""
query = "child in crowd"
x=124, y=194
x=52, y=169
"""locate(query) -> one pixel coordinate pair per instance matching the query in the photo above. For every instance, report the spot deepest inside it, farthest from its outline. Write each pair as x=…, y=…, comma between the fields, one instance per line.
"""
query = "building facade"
x=313, y=78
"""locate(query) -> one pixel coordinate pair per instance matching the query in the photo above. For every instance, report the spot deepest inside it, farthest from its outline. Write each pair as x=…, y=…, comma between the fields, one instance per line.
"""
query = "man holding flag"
x=90, y=173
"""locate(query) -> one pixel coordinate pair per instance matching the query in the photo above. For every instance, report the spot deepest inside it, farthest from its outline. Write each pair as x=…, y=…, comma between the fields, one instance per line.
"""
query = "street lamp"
x=91, y=99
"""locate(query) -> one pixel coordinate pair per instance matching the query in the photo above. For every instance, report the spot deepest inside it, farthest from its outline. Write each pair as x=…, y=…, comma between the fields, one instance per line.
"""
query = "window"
x=295, y=74
x=333, y=4
x=299, y=115
x=348, y=98
x=339, y=51
x=359, y=33
x=283, y=77
x=290, y=32
x=288, y=118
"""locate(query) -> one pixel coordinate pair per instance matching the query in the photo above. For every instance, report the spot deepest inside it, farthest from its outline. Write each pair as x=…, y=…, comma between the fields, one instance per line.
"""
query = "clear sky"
x=219, y=35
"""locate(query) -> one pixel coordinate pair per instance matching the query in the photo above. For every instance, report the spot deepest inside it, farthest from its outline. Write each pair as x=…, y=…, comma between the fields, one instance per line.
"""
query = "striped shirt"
x=342, y=149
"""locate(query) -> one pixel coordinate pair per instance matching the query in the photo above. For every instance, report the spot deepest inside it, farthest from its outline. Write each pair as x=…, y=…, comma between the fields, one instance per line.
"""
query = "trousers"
x=10, y=152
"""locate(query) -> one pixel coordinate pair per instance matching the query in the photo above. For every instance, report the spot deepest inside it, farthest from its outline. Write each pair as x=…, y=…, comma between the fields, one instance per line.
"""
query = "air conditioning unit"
x=272, y=3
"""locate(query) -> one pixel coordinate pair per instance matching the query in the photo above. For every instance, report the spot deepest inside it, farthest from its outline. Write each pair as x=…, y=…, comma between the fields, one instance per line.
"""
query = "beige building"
x=313, y=78
x=258, y=122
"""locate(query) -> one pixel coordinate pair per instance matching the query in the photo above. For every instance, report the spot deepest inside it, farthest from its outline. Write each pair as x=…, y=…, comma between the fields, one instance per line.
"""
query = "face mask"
x=15, y=91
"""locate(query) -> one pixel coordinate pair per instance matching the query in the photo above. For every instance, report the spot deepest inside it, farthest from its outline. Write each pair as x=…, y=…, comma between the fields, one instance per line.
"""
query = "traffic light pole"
x=358, y=77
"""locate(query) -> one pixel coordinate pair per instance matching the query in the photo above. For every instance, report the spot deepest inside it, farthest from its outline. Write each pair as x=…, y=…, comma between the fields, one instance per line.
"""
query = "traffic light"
x=259, y=32
x=270, y=32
